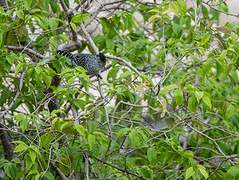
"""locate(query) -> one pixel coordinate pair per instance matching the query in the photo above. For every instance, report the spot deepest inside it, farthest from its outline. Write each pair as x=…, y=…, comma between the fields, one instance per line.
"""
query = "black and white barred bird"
x=92, y=63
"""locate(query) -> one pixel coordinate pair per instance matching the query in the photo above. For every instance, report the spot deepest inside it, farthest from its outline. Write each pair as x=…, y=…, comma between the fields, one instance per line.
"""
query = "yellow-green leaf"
x=79, y=18
x=189, y=173
x=21, y=147
x=91, y=141
x=203, y=171
x=207, y=101
x=199, y=95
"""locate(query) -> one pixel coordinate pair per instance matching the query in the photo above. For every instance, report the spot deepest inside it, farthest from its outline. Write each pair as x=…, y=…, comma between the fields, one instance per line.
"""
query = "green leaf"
x=73, y=26
x=80, y=103
x=11, y=170
x=179, y=97
x=152, y=155
x=81, y=130
x=182, y=7
x=122, y=178
x=146, y=172
x=122, y=132
x=192, y=104
x=109, y=44
x=219, y=67
x=47, y=79
x=28, y=3
x=20, y=14
x=45, y=140
x=32, y=155
x=233, y=173
x=91, y=141
x=199, y=95
x=48, y=175
x=20, y=147
x=136, y=138
x=53, y=23
x=80, y=17
x=20, y=67
x=179, y=7
x=1, y=38
x=28, y=163
x=168, y=88
x=113, y=72
x=3, y=162
x=203, y=171
x=187, y=154
x=189, y=173
x=23, y=120
x=206, y=99
x=35, y=148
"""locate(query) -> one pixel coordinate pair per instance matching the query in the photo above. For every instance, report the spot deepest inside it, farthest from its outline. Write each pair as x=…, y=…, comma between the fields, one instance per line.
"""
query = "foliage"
x=179, y=119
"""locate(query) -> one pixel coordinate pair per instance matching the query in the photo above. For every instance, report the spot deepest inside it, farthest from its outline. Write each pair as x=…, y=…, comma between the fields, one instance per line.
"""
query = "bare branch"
x=6, y=143
x=15, y=97
x=118, y=168
x=124, y=62
x=69, y=14
x=28, y=51
x=87, y=168
x=61, y=174
x=89, y=39
x=211, y=139
x=220, y=11
x=115, y=4
x=63, y=5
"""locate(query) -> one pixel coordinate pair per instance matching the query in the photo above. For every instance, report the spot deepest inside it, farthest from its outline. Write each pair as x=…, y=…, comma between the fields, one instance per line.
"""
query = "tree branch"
x=124, y=62
x=89, y=39
x=6, y=143
x=15, y=97
x=69, y=14
x=124, y=170
x=28, y=51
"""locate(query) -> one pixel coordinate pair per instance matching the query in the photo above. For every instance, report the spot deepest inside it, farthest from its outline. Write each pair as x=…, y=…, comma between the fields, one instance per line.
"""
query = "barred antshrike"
x=92, y=63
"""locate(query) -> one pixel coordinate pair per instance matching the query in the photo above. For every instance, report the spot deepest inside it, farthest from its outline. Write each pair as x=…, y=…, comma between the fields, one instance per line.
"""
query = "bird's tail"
x=66, y=54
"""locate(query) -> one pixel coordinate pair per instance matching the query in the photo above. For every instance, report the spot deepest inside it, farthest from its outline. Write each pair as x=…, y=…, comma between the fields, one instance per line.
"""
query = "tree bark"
x=6, y=143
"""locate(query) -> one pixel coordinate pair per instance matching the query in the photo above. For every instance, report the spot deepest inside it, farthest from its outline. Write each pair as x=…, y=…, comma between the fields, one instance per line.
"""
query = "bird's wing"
x=80, y=59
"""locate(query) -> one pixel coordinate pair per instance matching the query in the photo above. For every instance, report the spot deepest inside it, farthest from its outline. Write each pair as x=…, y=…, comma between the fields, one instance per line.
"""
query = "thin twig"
x=102, y=6
x=49, y=160
x=69, y=15
x=87, y=168
x=124, y=62
x=124, y=170
x=110, y=123
x=63, y=177
x=220, y=11
x=216, y=144
x=3, y=113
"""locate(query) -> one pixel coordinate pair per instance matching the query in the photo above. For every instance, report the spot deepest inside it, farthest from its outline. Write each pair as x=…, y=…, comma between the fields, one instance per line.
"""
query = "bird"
x=92, y=63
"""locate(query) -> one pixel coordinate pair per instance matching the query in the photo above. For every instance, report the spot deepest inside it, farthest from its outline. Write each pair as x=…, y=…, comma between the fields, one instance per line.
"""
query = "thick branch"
x=89, y=39
x=6, y=143
x=63, y=5
x=28, y=51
